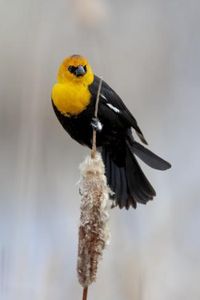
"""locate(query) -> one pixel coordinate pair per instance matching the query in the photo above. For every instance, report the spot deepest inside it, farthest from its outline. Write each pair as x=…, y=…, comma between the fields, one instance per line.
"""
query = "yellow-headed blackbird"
x=73, y=98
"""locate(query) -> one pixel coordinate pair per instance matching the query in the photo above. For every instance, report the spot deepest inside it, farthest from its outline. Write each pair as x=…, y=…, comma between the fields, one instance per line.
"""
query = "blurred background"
x=148, y=51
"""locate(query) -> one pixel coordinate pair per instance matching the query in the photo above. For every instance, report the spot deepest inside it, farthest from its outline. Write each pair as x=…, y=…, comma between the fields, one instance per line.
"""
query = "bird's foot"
x=96, y=124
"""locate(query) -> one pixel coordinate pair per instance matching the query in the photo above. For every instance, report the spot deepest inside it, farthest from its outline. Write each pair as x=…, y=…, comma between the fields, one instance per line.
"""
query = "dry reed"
x=93, y=229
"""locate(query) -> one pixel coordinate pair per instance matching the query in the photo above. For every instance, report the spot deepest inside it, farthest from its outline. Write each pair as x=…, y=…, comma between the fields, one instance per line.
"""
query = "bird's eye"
x=85, y=68
x=72, y=69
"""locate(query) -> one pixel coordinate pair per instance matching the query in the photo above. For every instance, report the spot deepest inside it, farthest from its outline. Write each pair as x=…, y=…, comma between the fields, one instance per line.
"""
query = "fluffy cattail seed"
x=93, y=230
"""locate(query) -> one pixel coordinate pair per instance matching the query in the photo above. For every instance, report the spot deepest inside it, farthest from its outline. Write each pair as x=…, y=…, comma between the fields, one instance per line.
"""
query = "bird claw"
x=96, y=124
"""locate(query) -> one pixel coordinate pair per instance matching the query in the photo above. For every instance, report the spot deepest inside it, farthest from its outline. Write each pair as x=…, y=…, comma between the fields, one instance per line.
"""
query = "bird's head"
x=75, y=69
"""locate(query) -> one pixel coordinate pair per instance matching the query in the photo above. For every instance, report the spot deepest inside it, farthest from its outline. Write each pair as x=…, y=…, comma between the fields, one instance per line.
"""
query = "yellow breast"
x=70, y=99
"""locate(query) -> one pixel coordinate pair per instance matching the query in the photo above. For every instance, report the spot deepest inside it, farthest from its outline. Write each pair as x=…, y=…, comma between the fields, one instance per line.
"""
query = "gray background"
x=148, y=51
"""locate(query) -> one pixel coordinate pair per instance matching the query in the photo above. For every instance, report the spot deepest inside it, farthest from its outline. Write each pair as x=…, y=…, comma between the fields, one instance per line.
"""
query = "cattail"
x=93, y=229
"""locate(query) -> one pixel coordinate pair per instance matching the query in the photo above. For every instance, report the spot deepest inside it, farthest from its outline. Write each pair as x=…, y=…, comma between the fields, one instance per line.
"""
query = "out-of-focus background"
x=148, y=51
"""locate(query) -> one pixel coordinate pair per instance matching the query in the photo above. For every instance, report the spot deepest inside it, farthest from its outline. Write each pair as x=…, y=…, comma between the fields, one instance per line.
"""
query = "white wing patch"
x=115, y=109
x=103, y=97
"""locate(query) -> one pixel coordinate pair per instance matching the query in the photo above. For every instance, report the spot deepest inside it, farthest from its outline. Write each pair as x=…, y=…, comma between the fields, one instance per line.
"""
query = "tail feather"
x=118, y=183
x=124, y=191
x=116, y=178
x=148, y=157
x=139, y=186
x=128, y=182
x=113, y=176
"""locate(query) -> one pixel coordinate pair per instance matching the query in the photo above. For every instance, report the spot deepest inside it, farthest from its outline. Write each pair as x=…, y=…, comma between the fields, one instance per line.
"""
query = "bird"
x=73, y=98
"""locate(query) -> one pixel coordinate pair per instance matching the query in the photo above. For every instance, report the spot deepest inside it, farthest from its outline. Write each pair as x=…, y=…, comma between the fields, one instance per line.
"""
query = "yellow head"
x=75, y=69
x=70, y=94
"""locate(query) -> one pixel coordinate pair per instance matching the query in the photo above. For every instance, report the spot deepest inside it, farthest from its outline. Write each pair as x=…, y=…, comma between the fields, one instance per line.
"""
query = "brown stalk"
x=94, y=137
x=93, y=231
x=85, y=293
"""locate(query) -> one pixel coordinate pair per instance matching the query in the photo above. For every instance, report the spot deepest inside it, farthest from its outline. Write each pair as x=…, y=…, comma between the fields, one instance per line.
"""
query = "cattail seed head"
x=93, y=229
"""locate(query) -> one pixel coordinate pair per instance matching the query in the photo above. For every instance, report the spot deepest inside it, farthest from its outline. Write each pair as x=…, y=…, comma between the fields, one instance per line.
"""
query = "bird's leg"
x=96, y=124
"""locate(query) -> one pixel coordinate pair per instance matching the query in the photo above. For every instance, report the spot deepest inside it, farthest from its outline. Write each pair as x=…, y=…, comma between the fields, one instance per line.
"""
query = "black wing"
x=109, y=98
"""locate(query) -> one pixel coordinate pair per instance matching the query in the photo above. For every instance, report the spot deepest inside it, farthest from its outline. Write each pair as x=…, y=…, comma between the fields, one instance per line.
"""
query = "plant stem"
x=85, y=292
x=93, y=153
x=95, y=115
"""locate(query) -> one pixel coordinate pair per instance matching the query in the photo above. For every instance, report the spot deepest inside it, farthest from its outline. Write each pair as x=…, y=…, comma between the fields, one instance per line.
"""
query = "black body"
x=116, y=144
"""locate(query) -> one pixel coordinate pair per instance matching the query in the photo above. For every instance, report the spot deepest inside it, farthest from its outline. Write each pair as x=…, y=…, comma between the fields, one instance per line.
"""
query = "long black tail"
x=127, y=179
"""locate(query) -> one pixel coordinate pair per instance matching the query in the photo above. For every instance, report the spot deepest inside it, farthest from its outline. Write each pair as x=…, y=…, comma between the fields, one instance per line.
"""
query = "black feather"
x=148, y=157
x=129, y=182
x=139, y=187
x=124, y=192
x=110, y=96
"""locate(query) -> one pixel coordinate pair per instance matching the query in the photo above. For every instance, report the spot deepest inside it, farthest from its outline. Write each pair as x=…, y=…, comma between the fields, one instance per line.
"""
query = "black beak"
x=80, y=71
